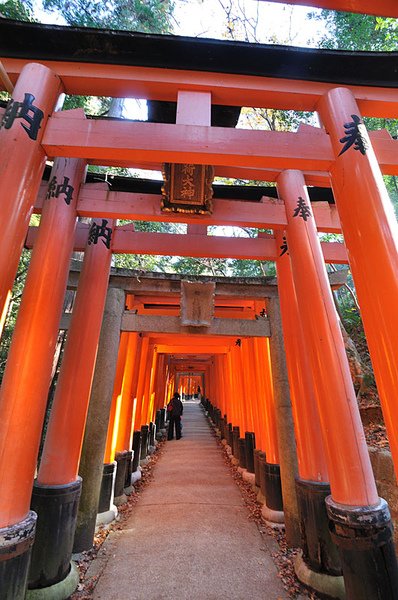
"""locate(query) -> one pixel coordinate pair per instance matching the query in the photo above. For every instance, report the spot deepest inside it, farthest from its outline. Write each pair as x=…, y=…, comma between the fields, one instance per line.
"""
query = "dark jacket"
x=178, y=407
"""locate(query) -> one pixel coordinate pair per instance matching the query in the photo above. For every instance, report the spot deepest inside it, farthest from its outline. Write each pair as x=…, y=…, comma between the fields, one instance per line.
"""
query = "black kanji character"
x=67, y=189
x=238, y=342
x=355, y=136
x=284, y=247
x=100, y=231
x=23, y=110
x=302, y=210
x=55, y=189
x=263, y=313
x=52, y=188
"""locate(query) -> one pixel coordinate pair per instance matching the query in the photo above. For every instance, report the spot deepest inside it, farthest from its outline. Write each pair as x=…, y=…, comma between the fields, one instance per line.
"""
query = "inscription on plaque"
x=187, y=188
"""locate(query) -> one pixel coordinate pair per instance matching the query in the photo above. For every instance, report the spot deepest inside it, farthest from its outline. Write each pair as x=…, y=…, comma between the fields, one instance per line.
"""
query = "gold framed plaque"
x=187, y=188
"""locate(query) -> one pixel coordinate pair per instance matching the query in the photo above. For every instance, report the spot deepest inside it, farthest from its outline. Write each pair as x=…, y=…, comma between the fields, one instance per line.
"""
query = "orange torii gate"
x=386, y=8
x=342, y=155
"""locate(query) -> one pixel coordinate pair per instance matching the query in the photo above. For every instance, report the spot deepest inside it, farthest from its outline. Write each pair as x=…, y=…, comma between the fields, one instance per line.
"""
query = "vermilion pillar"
x=268, y=434
x=57, y=488
x=113, y=424
x=312, y=485
x=370, y=232
x=310, y=451
x=23, y=394
x=141, y=382
x=351, y=477
x=22, y=161
x=134, y=384
x=60, y=461
x=123, y=441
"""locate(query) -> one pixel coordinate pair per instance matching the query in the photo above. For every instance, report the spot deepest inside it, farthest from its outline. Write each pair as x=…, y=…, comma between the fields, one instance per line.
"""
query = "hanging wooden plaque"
x=187, y=188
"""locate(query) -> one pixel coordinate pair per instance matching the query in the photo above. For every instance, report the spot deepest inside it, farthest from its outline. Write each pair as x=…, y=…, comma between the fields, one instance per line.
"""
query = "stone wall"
x=387, y=487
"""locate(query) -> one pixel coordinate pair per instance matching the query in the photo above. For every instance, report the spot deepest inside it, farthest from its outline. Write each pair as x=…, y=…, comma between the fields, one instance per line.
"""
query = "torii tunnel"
x=265, y=356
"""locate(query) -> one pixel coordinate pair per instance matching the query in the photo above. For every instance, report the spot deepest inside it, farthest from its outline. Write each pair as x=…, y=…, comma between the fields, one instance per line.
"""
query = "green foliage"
x=13, y=309
x=348, y=31
x=17, y=9
x=149, y=16
x=274, y=120
x=92, y=105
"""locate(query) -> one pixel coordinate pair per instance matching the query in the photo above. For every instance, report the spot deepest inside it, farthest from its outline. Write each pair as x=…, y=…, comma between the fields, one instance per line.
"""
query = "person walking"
x=175, y=409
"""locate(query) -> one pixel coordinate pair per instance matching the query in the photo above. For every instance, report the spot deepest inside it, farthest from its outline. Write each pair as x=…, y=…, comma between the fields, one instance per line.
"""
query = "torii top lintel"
x=385, y=8
x=121, y=63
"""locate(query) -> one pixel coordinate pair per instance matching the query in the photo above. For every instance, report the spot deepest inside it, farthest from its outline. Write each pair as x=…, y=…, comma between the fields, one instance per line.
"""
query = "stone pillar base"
x=106, y=517
x=56, y=507
x=319, y=552
x=363, y=535
x=330, y=585
x=119, y=500
x=273, y=518
x=59, y=591
x=135, y=476
x=15, y=547
x=248, y=477
x=260, y=497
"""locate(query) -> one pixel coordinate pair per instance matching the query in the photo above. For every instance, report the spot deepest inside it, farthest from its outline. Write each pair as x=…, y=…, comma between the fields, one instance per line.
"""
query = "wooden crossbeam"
x=96, y=200
x=124, y=81
x=127, y=241
x=128, y=141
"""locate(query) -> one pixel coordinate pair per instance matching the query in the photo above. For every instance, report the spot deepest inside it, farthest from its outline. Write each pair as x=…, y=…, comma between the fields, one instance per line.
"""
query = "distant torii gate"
x=342, y=153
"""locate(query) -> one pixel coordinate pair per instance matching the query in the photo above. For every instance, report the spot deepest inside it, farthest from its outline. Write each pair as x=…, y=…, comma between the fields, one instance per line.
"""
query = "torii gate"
x=342, y=155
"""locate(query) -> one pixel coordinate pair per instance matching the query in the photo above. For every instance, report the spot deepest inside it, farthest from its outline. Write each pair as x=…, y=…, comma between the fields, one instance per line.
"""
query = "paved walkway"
x=189, y=536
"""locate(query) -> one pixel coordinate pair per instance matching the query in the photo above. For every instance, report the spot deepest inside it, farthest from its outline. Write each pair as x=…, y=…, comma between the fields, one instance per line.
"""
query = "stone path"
x=189, y=536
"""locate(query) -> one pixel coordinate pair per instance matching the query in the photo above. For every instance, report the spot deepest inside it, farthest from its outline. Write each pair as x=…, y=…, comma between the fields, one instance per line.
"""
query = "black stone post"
x=319, y=551
x=229, y=435
x=106, y=493
x=129, y=465
x=258, y=455
x=136, y=450
x=56, y=507
x=152, y=436
x=157, y=421
x=273, y=488
x=162, y=418
x=261, y=469
x=15, y=548
x=144, y=441
x=363, y=536
x=235, y=441
x=250, y=440
x=121, y=463
x=222, y=427
x=242, y=453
